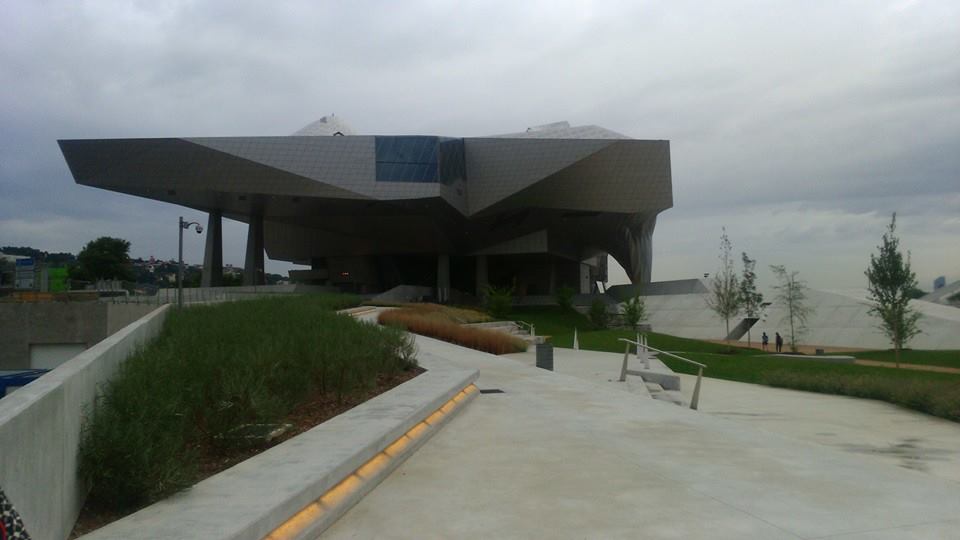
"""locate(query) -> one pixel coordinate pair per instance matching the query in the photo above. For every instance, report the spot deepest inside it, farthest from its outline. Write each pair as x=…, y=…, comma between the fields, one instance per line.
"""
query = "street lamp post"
x=183, y=225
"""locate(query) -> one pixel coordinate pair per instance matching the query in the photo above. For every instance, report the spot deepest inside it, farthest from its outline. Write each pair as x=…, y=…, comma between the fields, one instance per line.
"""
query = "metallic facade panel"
x=572, y=192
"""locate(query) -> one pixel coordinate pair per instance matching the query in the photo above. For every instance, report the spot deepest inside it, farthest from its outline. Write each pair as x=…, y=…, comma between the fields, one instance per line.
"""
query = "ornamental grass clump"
x=213, y=369
x=442, y=324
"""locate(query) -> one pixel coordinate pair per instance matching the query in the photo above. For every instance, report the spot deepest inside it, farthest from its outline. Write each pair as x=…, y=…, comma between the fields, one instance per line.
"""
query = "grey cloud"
x=845, y=107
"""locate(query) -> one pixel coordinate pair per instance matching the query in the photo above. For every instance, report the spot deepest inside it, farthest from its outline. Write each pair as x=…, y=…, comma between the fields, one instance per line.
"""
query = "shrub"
x=565, y=298
x=598, y=314
x=634, y=311
x=214, y=368
x=489, y=341
x=499, y=301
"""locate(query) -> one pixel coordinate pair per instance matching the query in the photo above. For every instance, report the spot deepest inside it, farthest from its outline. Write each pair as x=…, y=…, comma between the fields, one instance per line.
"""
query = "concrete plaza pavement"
x=555, y=456
x=873, y=429
x=893, y=435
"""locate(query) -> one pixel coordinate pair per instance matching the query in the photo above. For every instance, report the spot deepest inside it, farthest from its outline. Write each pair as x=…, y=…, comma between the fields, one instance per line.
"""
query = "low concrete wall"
x=404, y=293
x=40, y=431
x=204, y=294
x=23, y=324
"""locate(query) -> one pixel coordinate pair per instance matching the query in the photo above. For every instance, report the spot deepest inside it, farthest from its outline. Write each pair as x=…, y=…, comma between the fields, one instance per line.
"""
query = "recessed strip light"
x=366, y=473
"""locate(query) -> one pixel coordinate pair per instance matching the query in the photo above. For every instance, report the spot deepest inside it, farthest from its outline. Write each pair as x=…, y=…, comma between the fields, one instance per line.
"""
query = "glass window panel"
x=407, y=158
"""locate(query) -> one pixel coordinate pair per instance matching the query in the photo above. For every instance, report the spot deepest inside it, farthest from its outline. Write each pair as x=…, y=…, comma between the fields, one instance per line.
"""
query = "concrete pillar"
x=253, y=265
x=585, y=279
x=443, y=278
x=553, y=276
x=213, y=254
x=482, y=279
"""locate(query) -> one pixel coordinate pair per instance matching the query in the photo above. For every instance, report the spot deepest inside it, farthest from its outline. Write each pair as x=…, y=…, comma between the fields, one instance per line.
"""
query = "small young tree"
x=724, y=296
x=564, y=297
x=634, y=311
x=598, y=314
x=750, y=299
x=890, y=282
x=499, y=301
x=792, y=293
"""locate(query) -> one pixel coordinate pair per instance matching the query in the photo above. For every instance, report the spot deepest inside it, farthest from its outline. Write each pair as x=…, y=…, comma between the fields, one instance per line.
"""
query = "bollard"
x=545, y=356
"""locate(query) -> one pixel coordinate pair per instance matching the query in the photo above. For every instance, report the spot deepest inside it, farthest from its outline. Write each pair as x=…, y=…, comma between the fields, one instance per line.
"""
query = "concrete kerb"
x=40, y=427
x=299, y=488
x=833, y=359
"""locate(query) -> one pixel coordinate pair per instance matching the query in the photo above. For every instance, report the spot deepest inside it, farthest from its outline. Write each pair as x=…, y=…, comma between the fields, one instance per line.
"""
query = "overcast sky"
x=800, y=126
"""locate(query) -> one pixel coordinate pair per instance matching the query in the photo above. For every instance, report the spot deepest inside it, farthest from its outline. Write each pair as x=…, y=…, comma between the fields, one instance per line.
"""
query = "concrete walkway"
x=892, y=435
x=876, y=430
x=555, y=456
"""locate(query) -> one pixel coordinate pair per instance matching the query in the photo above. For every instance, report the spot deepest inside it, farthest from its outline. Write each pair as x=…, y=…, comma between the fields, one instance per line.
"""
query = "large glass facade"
x=419, y=158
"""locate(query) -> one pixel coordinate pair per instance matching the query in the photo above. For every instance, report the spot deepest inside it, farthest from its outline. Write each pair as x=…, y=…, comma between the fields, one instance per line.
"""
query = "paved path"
x=555, y=456
x=879, y=431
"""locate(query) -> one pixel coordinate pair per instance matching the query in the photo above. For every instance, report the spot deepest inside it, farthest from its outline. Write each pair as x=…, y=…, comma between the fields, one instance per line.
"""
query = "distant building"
x=534, y=210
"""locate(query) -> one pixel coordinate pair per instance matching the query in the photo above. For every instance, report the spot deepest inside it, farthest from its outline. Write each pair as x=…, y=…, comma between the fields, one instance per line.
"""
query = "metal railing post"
x=646, y=354
x=696, y=390
x=623, y=369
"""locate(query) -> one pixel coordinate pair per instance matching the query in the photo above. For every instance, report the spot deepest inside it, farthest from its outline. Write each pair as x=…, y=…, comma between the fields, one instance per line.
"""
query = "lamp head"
x=199, y=229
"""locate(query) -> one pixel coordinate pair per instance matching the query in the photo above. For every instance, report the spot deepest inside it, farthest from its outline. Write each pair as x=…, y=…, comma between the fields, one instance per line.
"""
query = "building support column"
x=213, y=254
x=482, y=279
x=443, y=278
x=553, y=276
x=253, y=264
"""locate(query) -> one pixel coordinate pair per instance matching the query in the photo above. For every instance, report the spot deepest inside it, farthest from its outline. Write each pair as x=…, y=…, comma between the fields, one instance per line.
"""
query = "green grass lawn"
x=559, y=325
x=908, y=356
x=929, y=392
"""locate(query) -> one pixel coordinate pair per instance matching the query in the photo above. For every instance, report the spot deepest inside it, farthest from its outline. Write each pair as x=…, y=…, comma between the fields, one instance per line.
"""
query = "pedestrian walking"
x=766, y=340
x=779, y=342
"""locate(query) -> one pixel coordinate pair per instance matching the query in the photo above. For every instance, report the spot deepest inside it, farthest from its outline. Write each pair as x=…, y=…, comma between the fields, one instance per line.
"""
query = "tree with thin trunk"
x=890, y=282
x=792, y=293
x=724, y=296
x=750, y=299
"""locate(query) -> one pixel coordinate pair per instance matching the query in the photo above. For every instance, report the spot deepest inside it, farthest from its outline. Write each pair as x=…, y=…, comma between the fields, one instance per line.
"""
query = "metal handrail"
x=532, y=329
x=695, y=399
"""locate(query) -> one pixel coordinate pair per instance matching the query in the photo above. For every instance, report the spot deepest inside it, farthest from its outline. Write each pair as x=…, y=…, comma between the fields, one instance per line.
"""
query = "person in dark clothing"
x=779, y=341
x=766, y=340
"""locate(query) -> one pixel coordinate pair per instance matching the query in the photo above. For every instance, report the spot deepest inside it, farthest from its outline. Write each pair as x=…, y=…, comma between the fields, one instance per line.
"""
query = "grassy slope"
x=930, y=358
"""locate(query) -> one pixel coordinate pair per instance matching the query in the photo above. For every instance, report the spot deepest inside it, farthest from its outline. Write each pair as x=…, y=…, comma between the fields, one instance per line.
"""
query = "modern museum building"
x=535, y=210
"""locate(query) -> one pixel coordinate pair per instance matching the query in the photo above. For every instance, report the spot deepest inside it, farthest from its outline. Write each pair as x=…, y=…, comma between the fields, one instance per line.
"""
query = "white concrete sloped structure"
x=839, y=318
x=944, y=294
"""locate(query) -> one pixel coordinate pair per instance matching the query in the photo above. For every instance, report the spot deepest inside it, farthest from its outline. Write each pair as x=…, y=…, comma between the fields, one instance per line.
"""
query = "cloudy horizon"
x=800, y=127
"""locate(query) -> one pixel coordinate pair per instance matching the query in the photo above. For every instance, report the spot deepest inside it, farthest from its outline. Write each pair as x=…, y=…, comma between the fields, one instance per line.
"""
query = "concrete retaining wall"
x=40, y=430
x=23, y=324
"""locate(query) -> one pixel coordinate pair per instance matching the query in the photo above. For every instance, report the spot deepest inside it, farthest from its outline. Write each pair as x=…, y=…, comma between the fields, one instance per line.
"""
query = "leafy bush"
x=634, y=311
x=431, y=325
x=598, y=314
x=214, y=368
x=499, y=301
x=565, y=298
